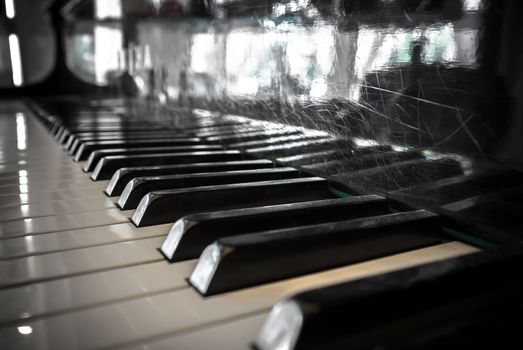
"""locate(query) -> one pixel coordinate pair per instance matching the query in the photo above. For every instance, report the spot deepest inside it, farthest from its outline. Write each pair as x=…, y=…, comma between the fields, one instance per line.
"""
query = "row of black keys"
x=302, y=229
x=250, y=208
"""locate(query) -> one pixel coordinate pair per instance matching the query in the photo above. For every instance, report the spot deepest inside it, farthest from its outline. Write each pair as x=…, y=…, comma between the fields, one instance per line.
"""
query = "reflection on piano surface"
x=297, y=174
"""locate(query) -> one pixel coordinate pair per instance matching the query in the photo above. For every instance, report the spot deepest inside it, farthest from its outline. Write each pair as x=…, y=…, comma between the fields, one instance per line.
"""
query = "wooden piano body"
x=276, y=175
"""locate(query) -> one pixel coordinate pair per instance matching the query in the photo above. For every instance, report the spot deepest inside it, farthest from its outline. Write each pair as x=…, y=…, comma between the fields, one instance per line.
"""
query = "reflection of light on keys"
x=10, y=9
x=24, y=208
x=24, y=197
x=28, y=223
x=16, y=60
x=25, y=330
x=21, y=132
x=30, y=246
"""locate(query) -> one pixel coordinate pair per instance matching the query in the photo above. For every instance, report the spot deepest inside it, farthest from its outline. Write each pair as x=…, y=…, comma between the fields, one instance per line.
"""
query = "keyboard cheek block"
x=247, y=260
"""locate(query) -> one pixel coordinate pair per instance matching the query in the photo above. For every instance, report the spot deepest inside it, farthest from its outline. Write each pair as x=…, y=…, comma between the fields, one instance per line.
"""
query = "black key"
x=108, y=165
x=64, y=132
x=192, y=233
x=251, y=135
x=122, y=176
x=87, y=147
x=224, y=130
x=397, y=176
x=72, y=145
x=204, y=130
x=312, y=158
x=460, y=301
x=251, y=259
x=75, y=140
x=108, y=127
x=292, y=148
x=95, y=156
x=139, y=187
x=160, y=207
x=268, y=142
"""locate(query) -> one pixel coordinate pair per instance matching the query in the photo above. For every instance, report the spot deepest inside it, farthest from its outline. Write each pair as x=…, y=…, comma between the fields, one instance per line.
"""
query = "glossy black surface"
x=137, y=188
x=107, y=166
x=194, y=232
x=87, y=147
x=262, y=257
x=96, y=156
x=124, y=175
x=159, y=207
x=470, y=302
x=72, y=144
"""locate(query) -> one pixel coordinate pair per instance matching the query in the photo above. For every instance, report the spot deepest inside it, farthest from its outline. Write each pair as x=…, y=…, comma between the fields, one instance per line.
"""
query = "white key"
x=62, y=264
x=74, y=239
x=30, y=195
x=48, y=177
x=64, y=222
x=73, y=293
x=54, y=208
x=230, y=335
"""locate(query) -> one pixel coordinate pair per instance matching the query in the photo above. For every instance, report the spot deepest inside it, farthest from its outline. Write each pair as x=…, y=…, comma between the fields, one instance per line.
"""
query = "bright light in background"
x=107, y=45
x=25, y=330
x=471, y=5
x=108, y=9
x=107, y=40
x=16, y=60
x=203, y=47
x=21, y=132
x=10, y=9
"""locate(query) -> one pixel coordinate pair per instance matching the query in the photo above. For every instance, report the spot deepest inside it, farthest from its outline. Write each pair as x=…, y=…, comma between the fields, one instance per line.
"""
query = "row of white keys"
x=84, y=260
x=183, y=310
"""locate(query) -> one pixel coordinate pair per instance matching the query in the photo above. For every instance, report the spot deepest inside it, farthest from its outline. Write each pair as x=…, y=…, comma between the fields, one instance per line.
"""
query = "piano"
x=271, y=175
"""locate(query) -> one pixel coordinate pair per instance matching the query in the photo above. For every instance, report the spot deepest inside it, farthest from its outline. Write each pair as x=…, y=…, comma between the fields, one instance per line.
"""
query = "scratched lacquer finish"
x=416, y=100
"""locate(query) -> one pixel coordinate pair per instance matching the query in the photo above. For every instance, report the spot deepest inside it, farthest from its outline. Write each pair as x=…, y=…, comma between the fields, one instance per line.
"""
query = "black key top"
x=297, y=147
x=72, y=146
x=87, y=147
x=139, y=187
x=74, y=140
x=161, y=207
x=416, y=308
x=251, y=135
x=192, y=233
x=271, y=141
x=122, y=176
x=190, y=131
x=64, y=133
x=95, y=156
x=251, y=259
x=108, y=165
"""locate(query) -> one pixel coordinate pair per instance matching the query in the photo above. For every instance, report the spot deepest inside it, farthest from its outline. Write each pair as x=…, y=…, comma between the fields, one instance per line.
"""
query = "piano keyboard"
x=121, y=233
